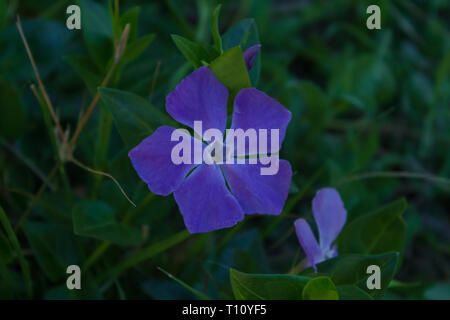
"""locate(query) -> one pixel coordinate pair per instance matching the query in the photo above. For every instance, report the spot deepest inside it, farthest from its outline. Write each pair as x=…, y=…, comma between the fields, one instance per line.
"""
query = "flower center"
x=217, y=152
x=328, y=254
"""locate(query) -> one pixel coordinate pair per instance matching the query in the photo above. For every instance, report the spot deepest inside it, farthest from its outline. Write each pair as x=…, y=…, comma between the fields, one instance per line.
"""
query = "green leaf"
x=267, y=286
x=86, y=70
x=53, y=246
x=351, y=269
x=134, y=116
x=3, y=14
x=245, y=35
x=319, y=111
x=230, y=69
x=438, y=291
x=215, y=29
x=351, y=292
x=97, y=31
x=102, y=143
x=136, y=48
x=244, y=251
x=320, y=288
x=131, y=17
x=193, y=52
x=377, y=232
x=146, y=253
x=89, y=291
x=7, y=282
x=13, y=120
x=96, y=219
x=6, y=252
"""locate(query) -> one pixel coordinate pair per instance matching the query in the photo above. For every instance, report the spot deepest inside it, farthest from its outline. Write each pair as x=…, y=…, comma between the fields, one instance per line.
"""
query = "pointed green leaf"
x=380, y=231
x=230, y=69
x=193, y=52
x=134, y=116
x=97, y=31
x=136, y=48
x=351, y=269
x=96, y=219
x=86, y=69
x=6, y=252
x=351, y=292
x=245, y=35
x=320, y=288
x=53, y=246
x=266, y=286
x=215, y=29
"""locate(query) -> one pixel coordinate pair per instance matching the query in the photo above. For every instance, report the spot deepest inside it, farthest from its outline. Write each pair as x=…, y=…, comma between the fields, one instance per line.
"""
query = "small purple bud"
x=250, y=55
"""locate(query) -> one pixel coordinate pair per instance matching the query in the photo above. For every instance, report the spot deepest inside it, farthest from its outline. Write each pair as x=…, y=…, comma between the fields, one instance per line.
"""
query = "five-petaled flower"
x=330, y=216
x=218, y=195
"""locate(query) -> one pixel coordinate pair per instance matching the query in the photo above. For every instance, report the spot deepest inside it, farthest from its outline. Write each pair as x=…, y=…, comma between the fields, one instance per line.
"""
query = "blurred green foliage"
x=363, y=101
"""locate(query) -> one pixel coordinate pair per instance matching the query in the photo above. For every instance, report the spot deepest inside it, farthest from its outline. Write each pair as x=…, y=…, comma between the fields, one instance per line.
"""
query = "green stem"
x=101, y=150
x=36, y=197
x=49, y=125
x=296, y=270
x=23, y=263
x=194, y=291
x=145, y=254
x=95, y=255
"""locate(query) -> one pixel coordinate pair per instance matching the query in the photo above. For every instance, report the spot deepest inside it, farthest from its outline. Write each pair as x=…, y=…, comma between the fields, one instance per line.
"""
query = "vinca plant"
x=250, y=150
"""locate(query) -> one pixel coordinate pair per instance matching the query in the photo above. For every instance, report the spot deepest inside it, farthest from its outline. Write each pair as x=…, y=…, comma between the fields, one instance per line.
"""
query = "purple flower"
x=250, y=55
x=330, y=216
x=217, y=195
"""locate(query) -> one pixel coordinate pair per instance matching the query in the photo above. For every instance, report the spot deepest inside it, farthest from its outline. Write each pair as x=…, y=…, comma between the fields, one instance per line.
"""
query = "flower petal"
x=256, y=193
x=152, y=161
x=205, y=202
x=330, y=215
x=250, y=55
x=199, y=97
x=253, y=109
x=308, y=242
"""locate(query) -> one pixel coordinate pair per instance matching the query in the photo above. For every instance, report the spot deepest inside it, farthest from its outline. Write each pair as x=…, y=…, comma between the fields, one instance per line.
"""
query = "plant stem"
x=48, y=124
x=36, y=197
x=395, y=174
x=23, y=263
x=40, y=83
x=296, y=270
x=91, y=107
x=145, y=253
x=83, y=166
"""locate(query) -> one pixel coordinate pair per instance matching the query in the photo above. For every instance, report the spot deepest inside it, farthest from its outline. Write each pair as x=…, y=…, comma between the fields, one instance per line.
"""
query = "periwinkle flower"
x=217, y=195
x=330, y=215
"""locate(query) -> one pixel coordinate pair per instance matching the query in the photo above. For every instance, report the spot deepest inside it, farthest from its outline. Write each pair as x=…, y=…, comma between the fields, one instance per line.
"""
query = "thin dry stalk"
x=40, y=83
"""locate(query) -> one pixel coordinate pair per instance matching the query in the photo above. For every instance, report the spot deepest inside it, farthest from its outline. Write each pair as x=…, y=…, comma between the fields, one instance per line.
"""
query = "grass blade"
x=23, y=263
x=199, y=294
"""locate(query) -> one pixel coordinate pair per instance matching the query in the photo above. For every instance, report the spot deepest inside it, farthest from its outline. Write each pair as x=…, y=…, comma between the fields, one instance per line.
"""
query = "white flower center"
x=214, y=153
